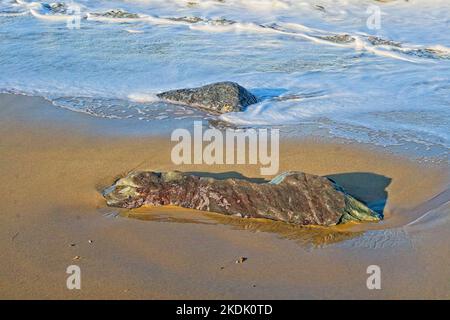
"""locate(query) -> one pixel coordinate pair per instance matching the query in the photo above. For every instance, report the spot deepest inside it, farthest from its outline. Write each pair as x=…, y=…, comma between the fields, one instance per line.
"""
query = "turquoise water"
x=387, y=86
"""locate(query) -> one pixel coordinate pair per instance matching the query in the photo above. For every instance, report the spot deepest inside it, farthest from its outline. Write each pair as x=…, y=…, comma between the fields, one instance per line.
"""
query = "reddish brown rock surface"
x=293, y=197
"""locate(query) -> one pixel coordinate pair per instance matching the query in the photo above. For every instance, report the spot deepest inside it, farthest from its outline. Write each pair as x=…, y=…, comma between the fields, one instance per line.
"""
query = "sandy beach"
x=53, y=215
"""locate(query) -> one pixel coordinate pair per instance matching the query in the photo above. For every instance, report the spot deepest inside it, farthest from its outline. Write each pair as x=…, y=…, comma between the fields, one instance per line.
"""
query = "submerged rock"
x=339, y=38
x=376, y=41
x=222, y=22
x=293, y=197
x=430, y=53
x=56, y=7
x=116, y=13
x=194, y=19
x=220, y=97
x=187, y=19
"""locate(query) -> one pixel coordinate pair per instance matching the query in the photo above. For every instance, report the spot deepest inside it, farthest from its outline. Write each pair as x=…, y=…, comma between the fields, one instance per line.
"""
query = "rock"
x=293, y=197
x=339, y=38
x=194, y=19
x=187, y=19
x=56, y=7
x=222, y=22
x=220, y=97
x=429, y=53
x=320, y=8
x=241, y=260
x=376, y=41
x=117, y=14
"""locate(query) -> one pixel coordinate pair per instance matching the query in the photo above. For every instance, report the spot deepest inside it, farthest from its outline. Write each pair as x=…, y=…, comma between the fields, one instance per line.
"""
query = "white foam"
x=50, y=17
x=143, y=97
x=134, y=31
x=392, y=92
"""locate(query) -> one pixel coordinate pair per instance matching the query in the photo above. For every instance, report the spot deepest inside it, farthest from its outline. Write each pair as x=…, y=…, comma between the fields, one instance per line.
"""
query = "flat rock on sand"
x=293, y=197
x=220, y=97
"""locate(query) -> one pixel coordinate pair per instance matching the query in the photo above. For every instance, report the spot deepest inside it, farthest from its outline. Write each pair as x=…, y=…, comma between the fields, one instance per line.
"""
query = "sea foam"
x=314, y=66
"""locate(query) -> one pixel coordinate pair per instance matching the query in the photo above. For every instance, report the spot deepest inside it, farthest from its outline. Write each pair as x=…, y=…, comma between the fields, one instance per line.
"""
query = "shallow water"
x=344, y=236
x=307, y=236
x=315, y=65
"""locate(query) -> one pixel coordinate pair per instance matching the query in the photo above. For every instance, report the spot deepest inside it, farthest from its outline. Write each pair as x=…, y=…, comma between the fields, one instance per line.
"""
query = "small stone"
x=339, y=38
x=72, y=245
x=91, y=241
x=319, y=7
x=76, y=258
x=241, y=260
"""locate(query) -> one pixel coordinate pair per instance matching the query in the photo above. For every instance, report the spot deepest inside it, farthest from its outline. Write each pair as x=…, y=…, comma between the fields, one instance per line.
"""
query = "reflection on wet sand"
x=308, y=236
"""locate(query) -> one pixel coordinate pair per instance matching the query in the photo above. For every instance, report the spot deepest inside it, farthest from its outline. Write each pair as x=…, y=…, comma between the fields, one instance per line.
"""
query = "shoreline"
x=40, y=109
x=55, y=170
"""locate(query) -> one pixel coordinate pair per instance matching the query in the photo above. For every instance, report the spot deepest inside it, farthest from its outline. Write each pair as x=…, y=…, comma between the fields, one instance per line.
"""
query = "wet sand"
x=55, y=162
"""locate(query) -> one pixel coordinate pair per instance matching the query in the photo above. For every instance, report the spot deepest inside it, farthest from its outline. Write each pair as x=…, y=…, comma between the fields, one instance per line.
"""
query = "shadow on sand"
x=369, y=188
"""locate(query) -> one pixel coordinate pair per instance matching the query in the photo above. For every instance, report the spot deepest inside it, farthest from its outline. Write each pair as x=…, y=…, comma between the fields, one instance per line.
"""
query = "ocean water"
x=318, y=67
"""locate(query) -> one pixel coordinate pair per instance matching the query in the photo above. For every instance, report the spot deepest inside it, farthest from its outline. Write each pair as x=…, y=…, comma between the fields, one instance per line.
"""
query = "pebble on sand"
x=241, y=259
